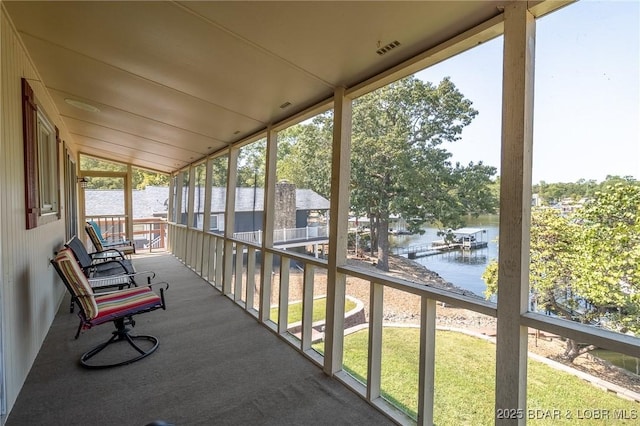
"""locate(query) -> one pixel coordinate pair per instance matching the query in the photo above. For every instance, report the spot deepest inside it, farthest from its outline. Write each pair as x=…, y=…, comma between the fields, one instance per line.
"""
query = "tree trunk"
x=383, y=243
x=373, y=229
x=573, y=350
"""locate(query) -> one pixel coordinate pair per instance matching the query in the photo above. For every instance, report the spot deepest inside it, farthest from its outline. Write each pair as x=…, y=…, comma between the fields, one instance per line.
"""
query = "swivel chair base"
x=121, y=334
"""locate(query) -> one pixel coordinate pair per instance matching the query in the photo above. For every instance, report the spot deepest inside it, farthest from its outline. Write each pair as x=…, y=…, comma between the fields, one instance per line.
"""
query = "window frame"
x=41, y=162
x=46, y=137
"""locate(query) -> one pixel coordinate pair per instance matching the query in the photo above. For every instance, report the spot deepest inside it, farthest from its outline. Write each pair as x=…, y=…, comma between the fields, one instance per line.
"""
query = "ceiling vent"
x=385, y=49
x=285, y=105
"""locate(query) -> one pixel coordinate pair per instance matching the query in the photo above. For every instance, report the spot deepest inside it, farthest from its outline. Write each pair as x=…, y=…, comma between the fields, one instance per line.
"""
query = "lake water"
x=463, y=269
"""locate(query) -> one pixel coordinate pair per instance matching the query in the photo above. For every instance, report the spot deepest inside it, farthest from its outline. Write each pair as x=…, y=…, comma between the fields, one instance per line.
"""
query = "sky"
x=587, y=94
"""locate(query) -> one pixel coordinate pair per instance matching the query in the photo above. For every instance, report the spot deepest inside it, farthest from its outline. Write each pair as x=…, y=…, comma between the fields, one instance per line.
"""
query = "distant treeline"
x=552, y=193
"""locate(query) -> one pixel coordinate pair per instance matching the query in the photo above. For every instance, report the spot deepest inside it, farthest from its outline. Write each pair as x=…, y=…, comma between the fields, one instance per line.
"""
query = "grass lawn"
x=464, y=383
x=319, y=310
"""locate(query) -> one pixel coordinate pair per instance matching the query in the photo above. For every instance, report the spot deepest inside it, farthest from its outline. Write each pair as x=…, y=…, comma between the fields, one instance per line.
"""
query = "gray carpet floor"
x=215, y=366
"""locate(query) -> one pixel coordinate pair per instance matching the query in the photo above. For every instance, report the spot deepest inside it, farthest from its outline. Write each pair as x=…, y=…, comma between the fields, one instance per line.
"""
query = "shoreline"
x=404, y=308
x=410, y=270
x=399, y=310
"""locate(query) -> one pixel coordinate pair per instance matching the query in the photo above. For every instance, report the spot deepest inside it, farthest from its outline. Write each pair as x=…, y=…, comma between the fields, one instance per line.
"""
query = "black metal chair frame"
x=106, y=269
x=97, y=262
x=121, y=319
x=121, y=334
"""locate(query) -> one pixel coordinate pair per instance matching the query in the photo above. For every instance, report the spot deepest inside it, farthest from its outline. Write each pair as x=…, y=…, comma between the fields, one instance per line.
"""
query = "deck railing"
x=238, y=269
x=286, y=235
x=148, y=233
x=269, y=282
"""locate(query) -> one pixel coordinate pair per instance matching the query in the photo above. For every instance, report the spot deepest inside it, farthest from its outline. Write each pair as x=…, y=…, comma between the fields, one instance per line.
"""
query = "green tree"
x=607, y=270
x=143, y=178
x=552, y=254
x=219, y=168
x=552, y=193
x=304, y=155
x=140, y=178
x=586, y=266
x=474, y=188
x=252, y=165
x=91, y=163
x=399, y=165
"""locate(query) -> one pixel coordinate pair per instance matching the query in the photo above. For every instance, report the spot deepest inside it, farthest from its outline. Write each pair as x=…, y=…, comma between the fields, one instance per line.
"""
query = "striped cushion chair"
x=118, y=307
x=107, y=269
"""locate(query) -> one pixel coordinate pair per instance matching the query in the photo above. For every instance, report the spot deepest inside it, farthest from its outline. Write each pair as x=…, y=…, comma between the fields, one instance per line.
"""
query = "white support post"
x=229, y=221
x=515, y=210
x=268, y=218
x=128, y=205
x=178, y=243
x=178, y=197
x=208, y=183
x=192, y=190
x=339, y=213
x=206, y=215
x=189, y=252
x=170, y=205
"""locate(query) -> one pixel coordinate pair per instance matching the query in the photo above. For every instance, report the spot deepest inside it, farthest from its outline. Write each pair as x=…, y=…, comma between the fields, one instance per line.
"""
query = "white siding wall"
x=30, y=291
x=2, y=380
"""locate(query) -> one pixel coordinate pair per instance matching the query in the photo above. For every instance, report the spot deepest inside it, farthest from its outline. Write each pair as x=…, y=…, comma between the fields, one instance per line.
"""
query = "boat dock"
x=458, y=239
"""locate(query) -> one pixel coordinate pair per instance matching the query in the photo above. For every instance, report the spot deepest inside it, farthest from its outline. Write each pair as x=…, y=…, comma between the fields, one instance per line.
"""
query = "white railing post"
x=237, y=289
x=283, y=302
x=426, y=373
x=251, y=278
x=374, y=366
x=307, y=307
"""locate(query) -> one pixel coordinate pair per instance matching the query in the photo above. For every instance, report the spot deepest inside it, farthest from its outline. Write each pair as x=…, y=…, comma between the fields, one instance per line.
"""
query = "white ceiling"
x=176, y=81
